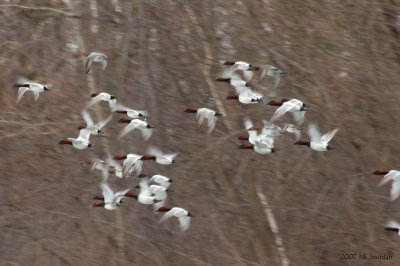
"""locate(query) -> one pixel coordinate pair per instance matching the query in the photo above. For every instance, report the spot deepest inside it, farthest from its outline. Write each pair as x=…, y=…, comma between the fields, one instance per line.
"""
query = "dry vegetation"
x=343, y=58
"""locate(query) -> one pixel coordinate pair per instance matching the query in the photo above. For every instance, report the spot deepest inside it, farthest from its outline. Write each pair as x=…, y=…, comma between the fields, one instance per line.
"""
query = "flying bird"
x=394, y=176
x=318, y=142
x=160, y=157
x=142, y=125
x=111, y=200
x=35, y=88
x=183, y=216
x=296, y=107
x=97, y=97
x=97, y=58
x=81, y=142
x=202, y=113
x=91, y=126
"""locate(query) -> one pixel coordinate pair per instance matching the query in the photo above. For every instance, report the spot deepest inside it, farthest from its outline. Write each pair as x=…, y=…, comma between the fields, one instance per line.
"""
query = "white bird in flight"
x=111, y=200
x=183, y=216
x=394, y=176
x=91, y=126
x=160, y=157
x=142, y=125
x=296, y=107
x=81, y=142
x=35, y=88
x=318, y=142
x=202, y=113
x=95, y=57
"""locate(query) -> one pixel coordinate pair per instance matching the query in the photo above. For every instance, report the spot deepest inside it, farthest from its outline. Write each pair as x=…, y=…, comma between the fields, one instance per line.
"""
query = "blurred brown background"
x=343, y=60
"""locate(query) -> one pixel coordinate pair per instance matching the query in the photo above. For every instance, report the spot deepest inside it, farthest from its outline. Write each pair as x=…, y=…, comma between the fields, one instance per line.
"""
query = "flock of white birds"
x=153, y=189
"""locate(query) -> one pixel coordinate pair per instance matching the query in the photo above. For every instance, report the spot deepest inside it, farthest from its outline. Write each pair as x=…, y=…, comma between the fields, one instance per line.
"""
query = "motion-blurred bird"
x=91, y=126
x=160, y=157
x=393, y=175
x=142, y=125
x=245, y=95
x=318, y=142
x=95, y=57
x=81, y=142
x=202, y=113
x=98, y=97
x=296, y=107
x=111, y=200
x=35, y=88
x=183, y=216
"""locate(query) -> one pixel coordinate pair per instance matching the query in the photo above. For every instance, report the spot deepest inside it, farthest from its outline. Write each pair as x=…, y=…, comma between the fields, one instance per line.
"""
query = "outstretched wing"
x=201, y=113
x=87, y=118
x=103, y=63
x=313, y=132
x=102, y=124
x=299, y=117
x=392, y=175
x=146, y=133
x=155, y=151
x=395, y=190
x=184, y=223
x=21, y=92
x=169, y=214
x=247, y=123
x=286, y=107
x=131, y=126
x=108, y=194
x=328, y=136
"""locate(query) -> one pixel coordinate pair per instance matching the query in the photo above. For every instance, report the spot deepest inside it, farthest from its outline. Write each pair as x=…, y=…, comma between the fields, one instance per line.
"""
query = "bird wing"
x=146, y=133
x=247, y=123
x=313, y=132
x=184, y=223
x=248, y=75
x=297, y=134
x=267, y=141
x=108, y=194
x=286, y=107
x=299, y=117
x=36, y=94
x=103, y=63
x=120, y=194
x=113, y=163
x=392, y=175
x=87, y=118
x=395, y=190
x=161, y=180
x=138, y=166
x=392, y=223
x=88, y=64
x=212, y=119
x=93, y=101
x=131, y=126
x=276, y=78
x=155, y=151
x=104, y=174
x=21, y=92
x=170, y=214
x=96, y=162
x=240, y=89
x=128, y=164
x=328, y=136
x=104, y=122
x=201, y=113
x=84, y=134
